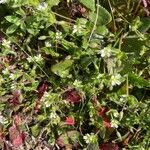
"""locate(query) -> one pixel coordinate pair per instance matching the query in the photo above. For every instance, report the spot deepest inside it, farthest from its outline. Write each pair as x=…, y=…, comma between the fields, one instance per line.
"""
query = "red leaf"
x=16, y=137
x=1, y=136
x=102, y=111
x=16, y=98
x=106, y=123
x=13, y=133
x=42, y=88
x=69, y=121
x=60, y=142
x=37, y=106
x=17, y=120
x=17, y=141
x=72, y=96
x=109, y=146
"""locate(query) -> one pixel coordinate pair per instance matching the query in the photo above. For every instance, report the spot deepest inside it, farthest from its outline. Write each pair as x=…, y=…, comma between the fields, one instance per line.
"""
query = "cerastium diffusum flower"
x=42, y=6
x=115, y=79
x=3, y=1
x=114, y=123
x=90, y=138
x=6, y=43
x=106, y=52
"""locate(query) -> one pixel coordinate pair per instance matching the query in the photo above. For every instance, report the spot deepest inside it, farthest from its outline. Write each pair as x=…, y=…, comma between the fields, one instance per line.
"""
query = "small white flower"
x=38, y=58
x=58, y=35
x=3, y=119
x=53, y=115
x=90, y=138
x=1, y=80
x=13, y=86
x=77, y=28
x=5, y=71
x=87, y=138
x=116, y=114
x=123, y=98
x=45, y=98
x=106, y=52
x=115, y=79
x=6, y=43
x=77, y=84
x=114, y=123
x=12, y=76
x=42, y=6
x=3, y=1
x=30, y=59
x=54, y=118
x=48, y=44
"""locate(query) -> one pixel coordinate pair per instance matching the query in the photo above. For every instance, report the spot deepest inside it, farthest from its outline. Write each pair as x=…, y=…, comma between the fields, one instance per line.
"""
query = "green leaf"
x=33, y=2
x=68, y=45
x=43, y=37
x=90, y=4
x=119, y=135
x=53, y=2
x=104, y=17
x=70, y=137
x=133, y=44
x=12, y=19
x=51, y=18
x=35, y=130
x=132, y=101
x=11, y=29
x=102, y=132
x=20, y=12
x=145, y=24
x=86, y=61
x=92, y=146
x=62, y=68
x=23, y=26
x=102, y=30
x=50, y=51
x=140, y=82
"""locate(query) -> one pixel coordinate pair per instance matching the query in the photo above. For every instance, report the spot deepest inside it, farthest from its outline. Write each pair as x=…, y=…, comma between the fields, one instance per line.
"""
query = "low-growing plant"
x=74, y=74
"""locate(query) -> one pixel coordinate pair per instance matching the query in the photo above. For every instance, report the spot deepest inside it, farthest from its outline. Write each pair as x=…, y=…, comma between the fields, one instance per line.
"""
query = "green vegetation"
x=74, y=74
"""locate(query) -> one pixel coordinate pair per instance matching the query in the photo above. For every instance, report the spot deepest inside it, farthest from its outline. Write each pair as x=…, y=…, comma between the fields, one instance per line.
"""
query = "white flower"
x=90, y=138
x=78, y=84
x=3, y=1
x=53, y=115
x=30, y=59
x=13, y=86
x=48, y=44
x=123, y=98
x=115, y=114
x=1, y=80
x=58, y=35
x=106, y=52
x=114, y=123
x=115, y=79
x=12, y=76
x=42, y=6
x=45, y=98
x=77, y=29
x=3, y=119
x=6, y=43
x=5, y=71
x=38, y=58
x=54, y=118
